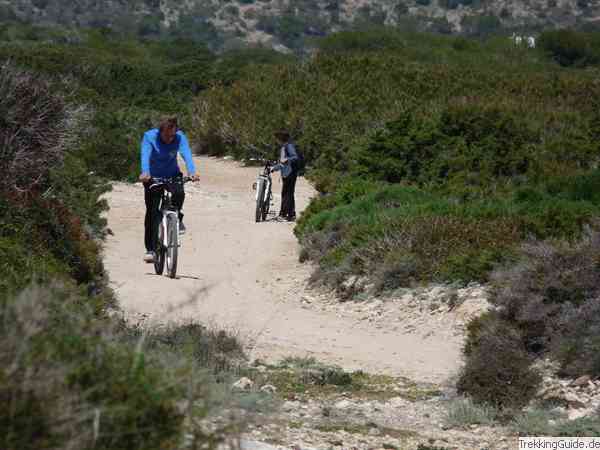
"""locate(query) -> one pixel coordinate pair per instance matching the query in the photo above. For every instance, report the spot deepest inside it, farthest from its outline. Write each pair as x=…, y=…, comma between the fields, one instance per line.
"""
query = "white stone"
x=268, y=388
x=243, y=384
x=343, y=404
x=290, y=406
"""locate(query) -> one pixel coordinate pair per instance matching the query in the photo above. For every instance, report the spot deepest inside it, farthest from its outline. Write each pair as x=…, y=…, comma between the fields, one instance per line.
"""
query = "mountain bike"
x=264, y=195
x=167, y=242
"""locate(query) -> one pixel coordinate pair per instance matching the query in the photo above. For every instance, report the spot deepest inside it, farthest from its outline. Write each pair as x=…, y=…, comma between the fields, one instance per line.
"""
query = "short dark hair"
x=283, y=134
x=167, y=122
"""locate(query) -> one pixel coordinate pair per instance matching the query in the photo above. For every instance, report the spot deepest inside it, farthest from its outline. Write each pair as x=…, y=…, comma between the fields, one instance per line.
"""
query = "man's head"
x=282, y=135
x=168, y=128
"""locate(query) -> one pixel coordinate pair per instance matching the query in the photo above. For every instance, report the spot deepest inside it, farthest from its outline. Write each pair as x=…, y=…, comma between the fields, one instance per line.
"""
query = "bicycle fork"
x=165, y=221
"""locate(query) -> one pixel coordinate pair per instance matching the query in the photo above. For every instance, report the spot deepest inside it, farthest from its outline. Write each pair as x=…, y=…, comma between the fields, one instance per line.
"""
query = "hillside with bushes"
x=439, y=159
x=73, y=373
x=444, y=160
x=293, y=26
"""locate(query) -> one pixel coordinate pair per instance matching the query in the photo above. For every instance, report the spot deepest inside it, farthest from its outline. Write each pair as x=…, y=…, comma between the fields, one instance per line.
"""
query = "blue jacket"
x=288, y=151
x=160, y=159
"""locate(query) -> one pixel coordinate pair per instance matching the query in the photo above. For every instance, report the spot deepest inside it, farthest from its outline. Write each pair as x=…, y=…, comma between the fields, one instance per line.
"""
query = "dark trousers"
x=152, y=198
x=288, y=203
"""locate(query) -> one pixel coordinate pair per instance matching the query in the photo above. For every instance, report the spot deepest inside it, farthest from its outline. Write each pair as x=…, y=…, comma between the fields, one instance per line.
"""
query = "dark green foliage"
x=366, y=40
x=571, y=48
x=498, y=369
x=230, y=65
x=481, y=26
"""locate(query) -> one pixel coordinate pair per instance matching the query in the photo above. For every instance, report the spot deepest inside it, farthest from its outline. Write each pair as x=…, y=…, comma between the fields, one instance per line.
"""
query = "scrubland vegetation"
x=73, y=374
x=442, y=159
x=437, y=159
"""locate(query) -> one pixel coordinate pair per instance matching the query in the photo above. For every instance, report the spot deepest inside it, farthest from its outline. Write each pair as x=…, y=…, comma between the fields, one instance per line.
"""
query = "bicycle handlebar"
x=167, y=180
x=159, y=181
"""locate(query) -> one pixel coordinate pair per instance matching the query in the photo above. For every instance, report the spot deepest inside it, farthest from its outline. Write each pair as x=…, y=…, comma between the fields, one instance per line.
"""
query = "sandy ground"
x=245, y=276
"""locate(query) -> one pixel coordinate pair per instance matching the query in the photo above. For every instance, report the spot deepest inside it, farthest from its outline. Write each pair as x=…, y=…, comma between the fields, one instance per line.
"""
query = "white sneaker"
x=149, y=257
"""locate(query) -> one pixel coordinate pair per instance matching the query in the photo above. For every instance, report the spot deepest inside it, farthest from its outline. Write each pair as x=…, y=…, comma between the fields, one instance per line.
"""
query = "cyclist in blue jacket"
x=159, y=150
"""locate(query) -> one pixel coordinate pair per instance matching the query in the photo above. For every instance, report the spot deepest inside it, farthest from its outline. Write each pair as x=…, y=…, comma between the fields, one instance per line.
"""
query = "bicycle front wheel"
x=260, y=201
x=173, y=245
x=266, y=207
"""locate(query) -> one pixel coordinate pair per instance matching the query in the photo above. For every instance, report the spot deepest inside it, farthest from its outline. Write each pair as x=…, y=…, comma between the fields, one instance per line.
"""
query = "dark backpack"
x=298, y=165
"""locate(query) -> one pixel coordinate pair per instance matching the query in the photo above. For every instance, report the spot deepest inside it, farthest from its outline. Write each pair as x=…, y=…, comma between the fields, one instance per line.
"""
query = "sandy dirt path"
x=246, y=276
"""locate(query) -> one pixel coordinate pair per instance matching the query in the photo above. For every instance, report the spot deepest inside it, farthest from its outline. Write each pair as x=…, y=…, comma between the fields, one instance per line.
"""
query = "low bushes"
x=72, y=376
x=499, y=370
x=51, y=204
x=399, y=235
x=552, y=297
x=570, y=48
x=71, y=380
x=547, y=305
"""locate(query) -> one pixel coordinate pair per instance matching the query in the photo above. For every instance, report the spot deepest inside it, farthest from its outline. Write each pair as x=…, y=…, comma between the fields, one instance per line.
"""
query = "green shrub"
x=552, y=297
x=373, y=39
x=582, y=427
x=569, y=47
x=463, y=412
x=63, y=370
x=536, y=422
x=74, y=381
x=497, y=368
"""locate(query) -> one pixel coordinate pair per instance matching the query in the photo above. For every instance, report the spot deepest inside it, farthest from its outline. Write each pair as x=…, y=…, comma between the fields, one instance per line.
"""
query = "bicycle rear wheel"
x=159, y=258
x=259, y=200
x=173, y=245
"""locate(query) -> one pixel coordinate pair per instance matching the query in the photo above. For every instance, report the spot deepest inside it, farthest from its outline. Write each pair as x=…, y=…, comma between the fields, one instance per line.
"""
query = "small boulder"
x=243, y=384
x=343, y=404
x=581, y=381
x=268, y=388
x=574, y=401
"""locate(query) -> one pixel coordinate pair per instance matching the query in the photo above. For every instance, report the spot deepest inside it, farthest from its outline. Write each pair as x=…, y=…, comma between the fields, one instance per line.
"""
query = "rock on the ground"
x=243, y=384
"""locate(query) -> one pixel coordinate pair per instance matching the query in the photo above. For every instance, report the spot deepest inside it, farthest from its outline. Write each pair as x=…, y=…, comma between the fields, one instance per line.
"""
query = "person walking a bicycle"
x=159, y=149
x=289, y=174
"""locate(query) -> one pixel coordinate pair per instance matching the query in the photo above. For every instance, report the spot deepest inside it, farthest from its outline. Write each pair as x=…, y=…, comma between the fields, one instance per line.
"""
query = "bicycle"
x=167, y=242
x=264, y=194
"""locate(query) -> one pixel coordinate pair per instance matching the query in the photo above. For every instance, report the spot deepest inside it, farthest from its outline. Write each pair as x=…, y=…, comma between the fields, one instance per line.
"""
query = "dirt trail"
x=246, y=276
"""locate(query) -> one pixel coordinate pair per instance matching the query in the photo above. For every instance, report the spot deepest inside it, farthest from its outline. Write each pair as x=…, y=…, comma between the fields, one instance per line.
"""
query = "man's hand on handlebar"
x=145, y=177
x=195, y=178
